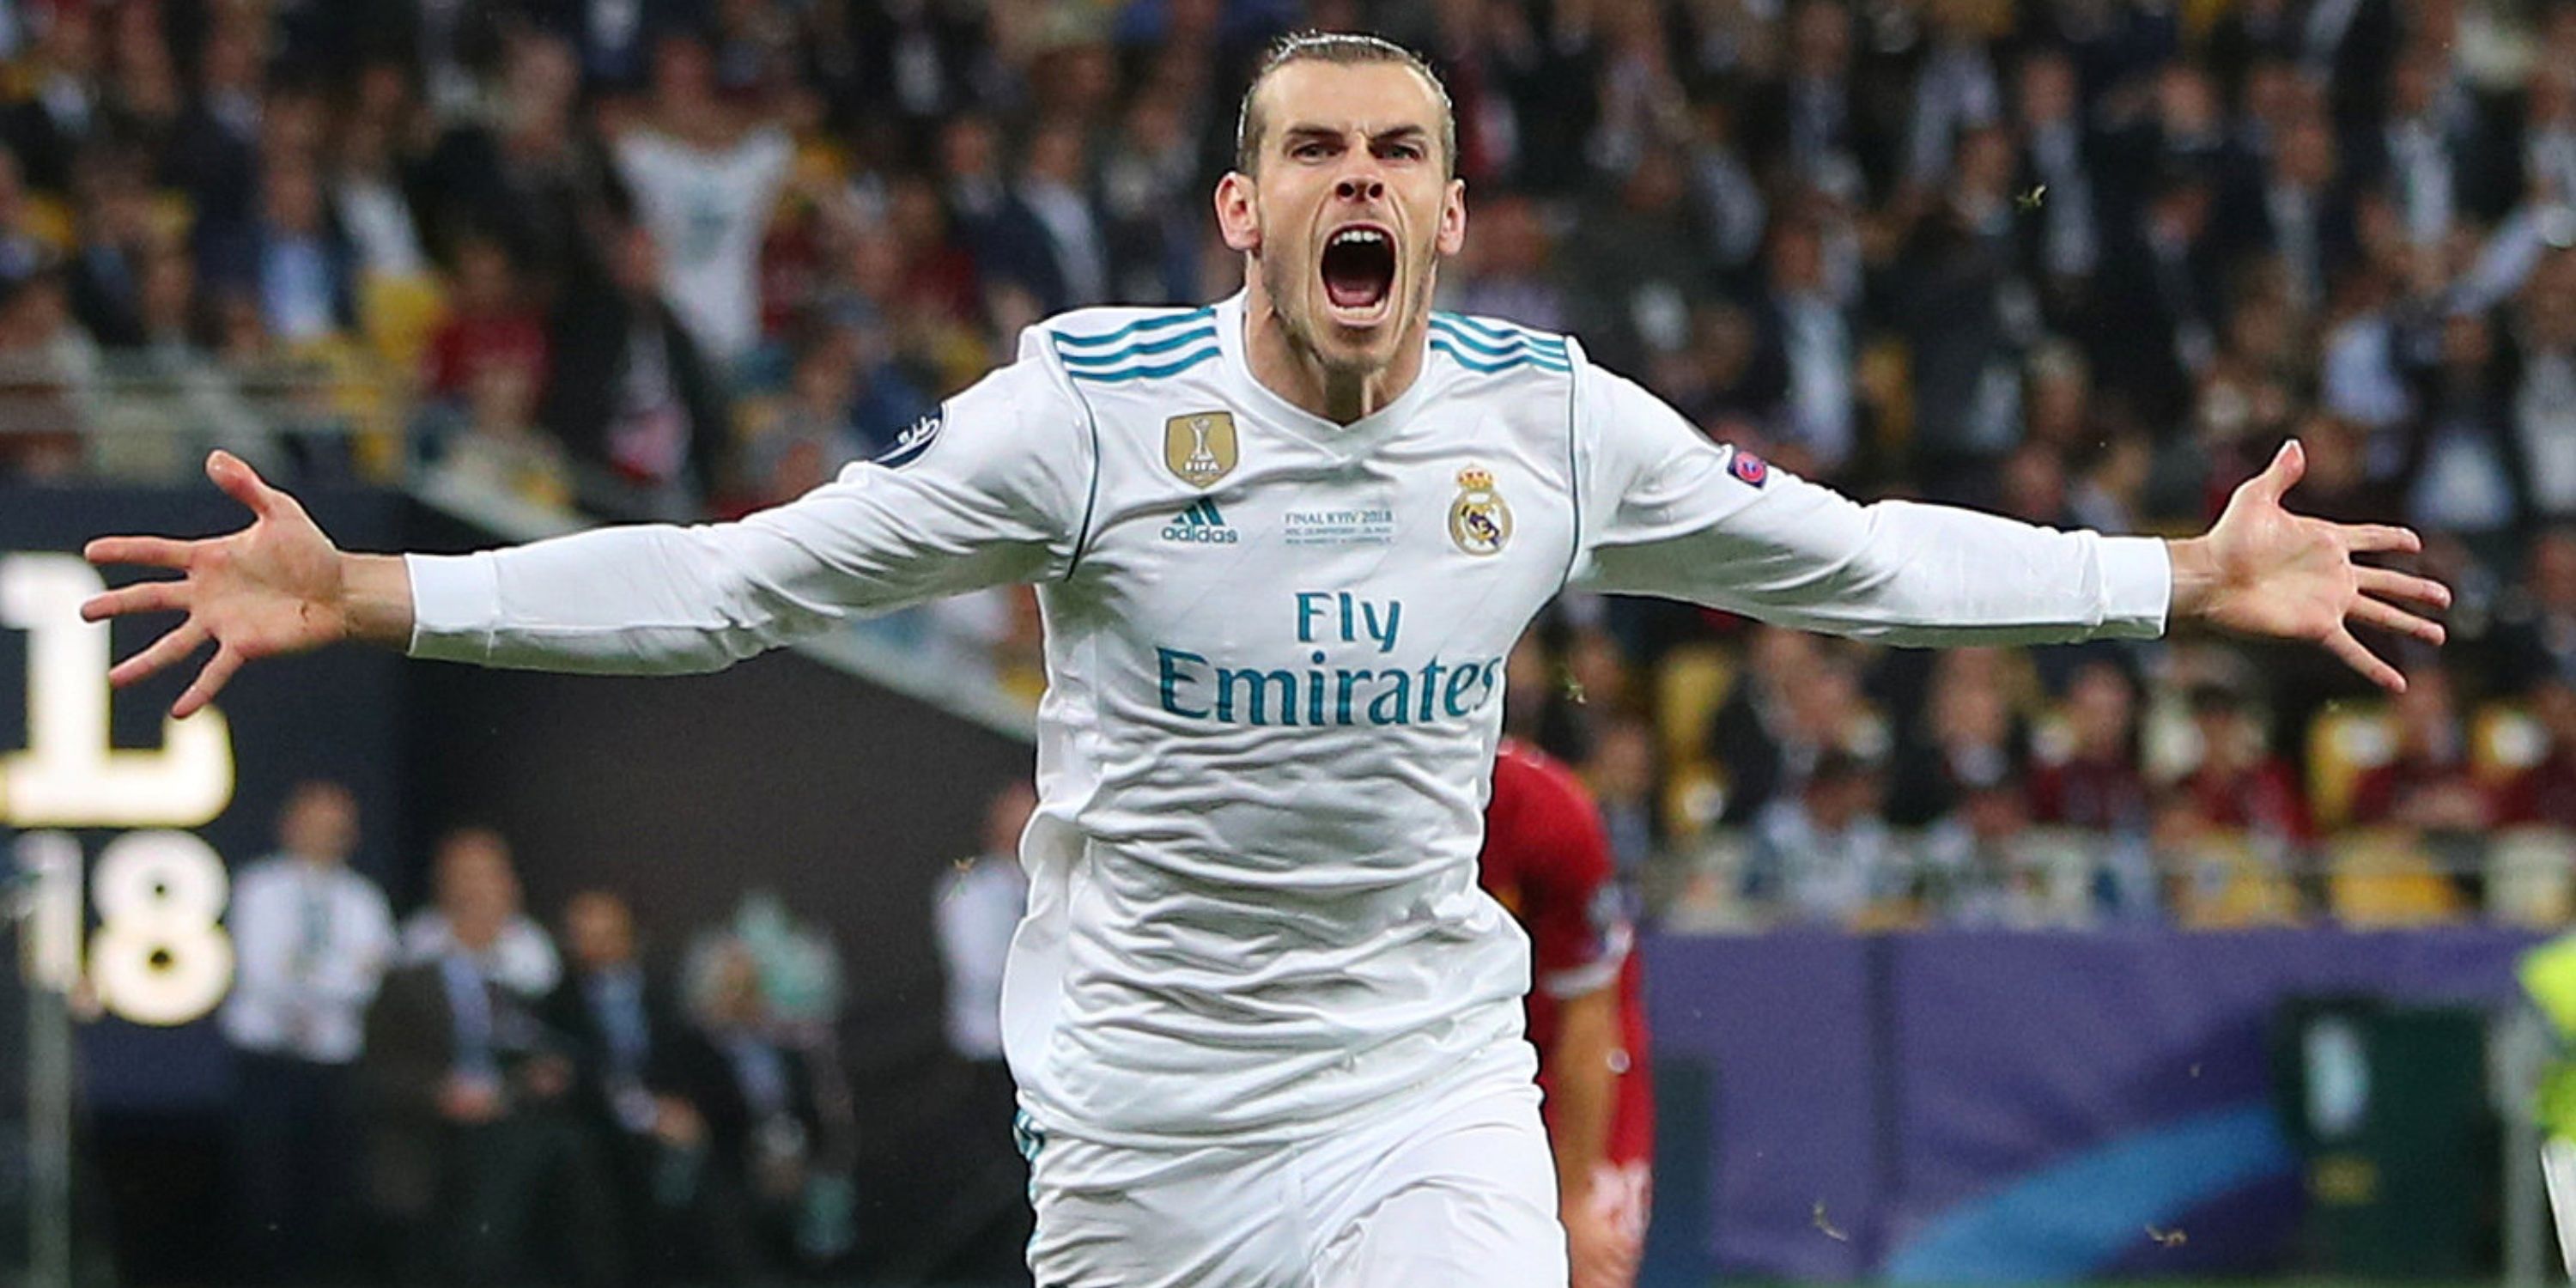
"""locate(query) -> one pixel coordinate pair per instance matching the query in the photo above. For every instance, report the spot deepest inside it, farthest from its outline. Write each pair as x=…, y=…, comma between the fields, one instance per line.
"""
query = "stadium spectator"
x=979, y=904
x=2537, y=631
x=626, y=1037
x=107, y=265
x=490, y=321
x=1504, y=272
x=1823, y=856
x=59, y=112
x=1069, y=251
x=808, y=435
x=705, y=174
x=1797, y=705
x=2161, y=302
x=369, y=151
x=754, y=1128
x=474, y=1130
x=1623, y=774
x=1971, y=738
x=312, y=939
x=1978, y=868
x=472, y=872
x=612, y=1013
x=629, y=394
x=1807, y=330
x=48, y=371
x=289, y=256
x=2239, y=784
x=531, y=175
x=2097, y=784
x=2545, y=792
x=976, y=907
x=2428, y=786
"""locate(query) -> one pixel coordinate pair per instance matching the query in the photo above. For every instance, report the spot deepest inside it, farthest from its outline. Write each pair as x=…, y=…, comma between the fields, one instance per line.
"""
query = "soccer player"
x=1267, y=1029
x=1547, y=861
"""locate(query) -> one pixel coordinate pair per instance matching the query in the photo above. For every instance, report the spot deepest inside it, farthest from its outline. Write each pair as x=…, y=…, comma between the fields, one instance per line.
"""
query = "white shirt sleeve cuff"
x=2137, y=586
x=455, y=599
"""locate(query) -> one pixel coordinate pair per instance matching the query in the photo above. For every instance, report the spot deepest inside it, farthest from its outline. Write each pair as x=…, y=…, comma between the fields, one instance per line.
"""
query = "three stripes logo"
x=1201, y=524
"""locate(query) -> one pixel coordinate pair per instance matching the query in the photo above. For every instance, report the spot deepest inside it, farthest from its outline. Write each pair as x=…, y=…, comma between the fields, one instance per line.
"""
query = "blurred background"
x=2174, y=961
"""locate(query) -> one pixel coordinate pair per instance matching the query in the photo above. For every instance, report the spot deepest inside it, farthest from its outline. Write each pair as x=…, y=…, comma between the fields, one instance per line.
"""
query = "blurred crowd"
x=467, y=1096
x=2085, y=262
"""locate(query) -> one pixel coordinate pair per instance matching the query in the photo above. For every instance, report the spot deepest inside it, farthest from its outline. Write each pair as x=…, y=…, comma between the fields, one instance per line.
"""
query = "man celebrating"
x=1266, y=1028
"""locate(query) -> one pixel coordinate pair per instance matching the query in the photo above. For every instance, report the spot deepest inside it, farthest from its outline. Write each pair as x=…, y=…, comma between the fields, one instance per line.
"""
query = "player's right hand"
x=1599, y=1253
x=273, y=588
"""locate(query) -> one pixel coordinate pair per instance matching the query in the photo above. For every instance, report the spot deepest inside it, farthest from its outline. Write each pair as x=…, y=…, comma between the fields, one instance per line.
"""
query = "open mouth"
x=1359, y=271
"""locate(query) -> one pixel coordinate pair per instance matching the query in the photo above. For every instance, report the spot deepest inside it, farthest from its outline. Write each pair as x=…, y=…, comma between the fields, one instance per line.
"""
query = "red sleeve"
x=1544, y=838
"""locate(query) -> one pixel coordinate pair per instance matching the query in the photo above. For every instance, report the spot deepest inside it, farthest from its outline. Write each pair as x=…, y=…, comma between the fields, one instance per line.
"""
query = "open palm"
x=271, y=588
x=2262, y=570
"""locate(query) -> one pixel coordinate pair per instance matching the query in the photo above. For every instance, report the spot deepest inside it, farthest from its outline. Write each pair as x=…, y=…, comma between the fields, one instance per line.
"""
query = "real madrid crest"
x=1478, y=520
x=1199, y=448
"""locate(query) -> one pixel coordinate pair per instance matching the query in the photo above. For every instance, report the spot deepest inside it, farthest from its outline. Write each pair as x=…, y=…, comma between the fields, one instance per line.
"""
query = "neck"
x=1295, y=372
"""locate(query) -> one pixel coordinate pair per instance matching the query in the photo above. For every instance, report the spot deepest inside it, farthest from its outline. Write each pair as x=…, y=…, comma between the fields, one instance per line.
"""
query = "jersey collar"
x=1347, y=441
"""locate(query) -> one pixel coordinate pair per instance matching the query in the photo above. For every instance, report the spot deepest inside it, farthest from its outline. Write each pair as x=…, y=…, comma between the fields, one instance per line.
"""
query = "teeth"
x=1358, y=237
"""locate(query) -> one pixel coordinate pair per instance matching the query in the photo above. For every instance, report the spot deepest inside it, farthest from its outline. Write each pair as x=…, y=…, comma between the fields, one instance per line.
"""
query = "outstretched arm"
x=1673, y=514
x=989, y=493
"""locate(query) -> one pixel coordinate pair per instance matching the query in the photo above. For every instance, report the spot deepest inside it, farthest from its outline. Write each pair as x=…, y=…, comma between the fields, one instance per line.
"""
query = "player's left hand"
x=2261, y=570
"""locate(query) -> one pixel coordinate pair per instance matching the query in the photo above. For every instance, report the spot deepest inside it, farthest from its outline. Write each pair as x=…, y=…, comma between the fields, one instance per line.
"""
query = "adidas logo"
x=1202, y=524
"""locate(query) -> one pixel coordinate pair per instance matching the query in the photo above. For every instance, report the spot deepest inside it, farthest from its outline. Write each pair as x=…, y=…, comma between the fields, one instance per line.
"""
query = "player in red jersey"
x=1547, y=859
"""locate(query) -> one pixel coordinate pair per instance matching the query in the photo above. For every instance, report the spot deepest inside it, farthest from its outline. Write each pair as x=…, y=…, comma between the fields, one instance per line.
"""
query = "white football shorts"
x=1453, y=1190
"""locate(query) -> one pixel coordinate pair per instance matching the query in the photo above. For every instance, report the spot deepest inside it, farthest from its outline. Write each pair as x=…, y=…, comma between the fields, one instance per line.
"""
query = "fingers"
x=219, y=671
x=141, y=597
x=2389, y=617
x=242, y=483
x=2344, y=646
x=2288, y=466
x=174, y=644
x=2378, y=538
x=2388, y=583
x=153, y=552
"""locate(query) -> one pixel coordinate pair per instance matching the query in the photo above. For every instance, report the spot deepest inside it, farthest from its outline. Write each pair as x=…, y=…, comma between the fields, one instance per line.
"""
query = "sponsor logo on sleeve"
x=913, y=441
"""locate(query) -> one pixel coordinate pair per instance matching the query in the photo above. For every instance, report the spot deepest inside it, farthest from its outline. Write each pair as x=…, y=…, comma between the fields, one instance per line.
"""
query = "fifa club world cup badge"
x=1199, y=448
x=1478, y=520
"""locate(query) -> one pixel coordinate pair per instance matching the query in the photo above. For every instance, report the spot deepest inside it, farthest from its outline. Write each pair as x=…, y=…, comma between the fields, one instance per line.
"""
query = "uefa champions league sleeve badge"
x=1478, y=520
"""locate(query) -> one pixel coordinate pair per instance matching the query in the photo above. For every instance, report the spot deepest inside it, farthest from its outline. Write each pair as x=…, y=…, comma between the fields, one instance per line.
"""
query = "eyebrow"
x=1391, y=134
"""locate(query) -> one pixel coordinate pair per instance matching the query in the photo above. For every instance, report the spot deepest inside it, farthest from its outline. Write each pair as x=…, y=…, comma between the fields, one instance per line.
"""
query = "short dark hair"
x=1348, y=48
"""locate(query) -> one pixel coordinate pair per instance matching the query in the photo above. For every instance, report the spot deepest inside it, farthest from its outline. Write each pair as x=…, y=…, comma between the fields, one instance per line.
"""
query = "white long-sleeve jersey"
x=1274, y=652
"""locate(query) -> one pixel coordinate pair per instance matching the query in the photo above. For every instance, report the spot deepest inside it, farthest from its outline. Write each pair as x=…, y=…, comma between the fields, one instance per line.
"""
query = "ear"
x=1453, y=219
x=1238, y=217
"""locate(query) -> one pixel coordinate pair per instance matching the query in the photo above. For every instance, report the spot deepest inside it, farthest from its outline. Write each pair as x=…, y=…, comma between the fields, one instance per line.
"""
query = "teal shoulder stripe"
x=1498, y=331
x=1026, y=1135
x=1147, y=348
x=1174, y=367
x=1141, y=326
x=1524, y=358
x=1497, y=349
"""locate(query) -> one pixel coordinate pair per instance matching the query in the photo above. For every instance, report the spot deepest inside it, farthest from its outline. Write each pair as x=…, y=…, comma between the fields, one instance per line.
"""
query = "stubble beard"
x=1303, y=340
